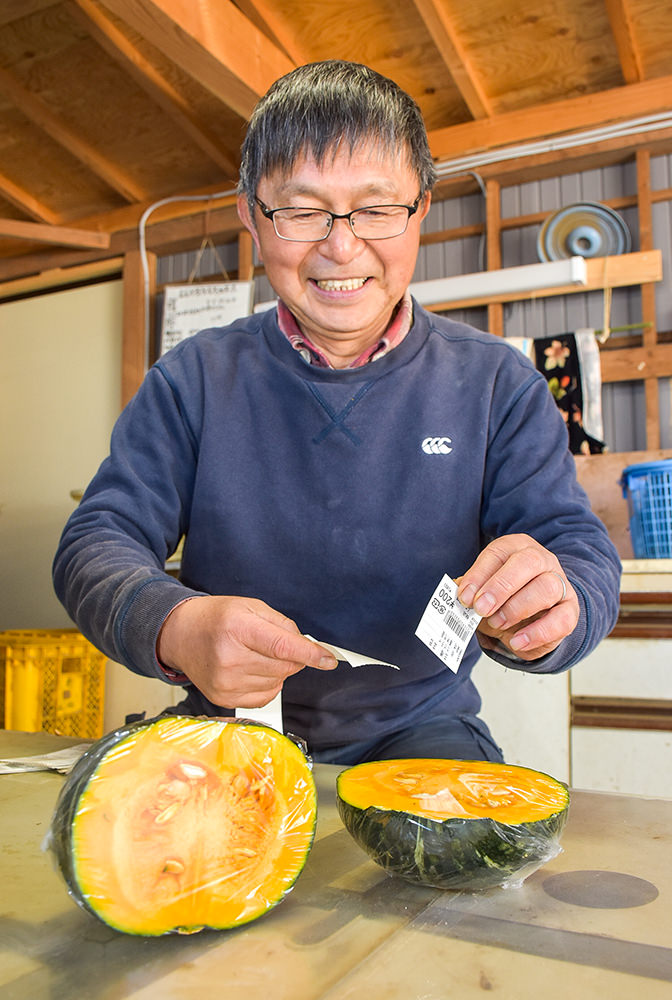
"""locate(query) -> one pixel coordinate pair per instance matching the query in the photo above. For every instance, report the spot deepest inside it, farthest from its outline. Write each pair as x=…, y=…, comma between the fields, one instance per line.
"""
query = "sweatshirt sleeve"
x=531, y=487
x=109, y=566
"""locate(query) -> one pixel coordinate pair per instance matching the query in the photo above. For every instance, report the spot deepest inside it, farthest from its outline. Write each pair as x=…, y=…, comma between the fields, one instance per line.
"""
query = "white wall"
x=60, y=390
x=60, y=387
x=528, y=715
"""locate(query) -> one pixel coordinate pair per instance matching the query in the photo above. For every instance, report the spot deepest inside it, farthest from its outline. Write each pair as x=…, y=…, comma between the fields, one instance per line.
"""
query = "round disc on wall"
x=585, y=229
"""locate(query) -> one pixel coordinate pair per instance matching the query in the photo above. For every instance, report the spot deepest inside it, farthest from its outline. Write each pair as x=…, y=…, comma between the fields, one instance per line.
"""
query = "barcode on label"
x=457, y=625
x=446, y=627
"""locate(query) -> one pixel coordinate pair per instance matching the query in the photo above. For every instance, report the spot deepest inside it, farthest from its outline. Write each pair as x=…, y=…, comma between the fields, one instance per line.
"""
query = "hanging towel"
x=570, y=362
x=523, y=344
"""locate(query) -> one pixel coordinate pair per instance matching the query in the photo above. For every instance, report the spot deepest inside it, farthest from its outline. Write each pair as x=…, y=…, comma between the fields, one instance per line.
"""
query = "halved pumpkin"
x=453, y=824
x=178, y=823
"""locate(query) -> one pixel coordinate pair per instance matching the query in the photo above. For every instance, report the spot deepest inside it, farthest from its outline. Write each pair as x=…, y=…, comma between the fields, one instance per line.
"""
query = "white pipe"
x=464, y=164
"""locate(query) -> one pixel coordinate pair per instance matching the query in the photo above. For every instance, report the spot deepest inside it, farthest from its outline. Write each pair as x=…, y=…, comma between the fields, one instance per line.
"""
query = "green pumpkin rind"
x=60, y=841
x=455, y=853
x=67, y=804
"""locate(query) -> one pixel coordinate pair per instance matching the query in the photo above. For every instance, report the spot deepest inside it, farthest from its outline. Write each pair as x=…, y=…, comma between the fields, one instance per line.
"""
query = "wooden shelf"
x=621, y=713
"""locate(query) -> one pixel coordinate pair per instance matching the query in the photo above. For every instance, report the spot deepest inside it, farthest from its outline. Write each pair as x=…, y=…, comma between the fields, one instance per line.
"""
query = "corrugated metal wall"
x=623, y=403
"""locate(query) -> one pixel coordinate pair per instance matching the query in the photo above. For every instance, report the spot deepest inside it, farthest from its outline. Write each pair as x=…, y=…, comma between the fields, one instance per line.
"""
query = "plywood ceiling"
x=110, y=105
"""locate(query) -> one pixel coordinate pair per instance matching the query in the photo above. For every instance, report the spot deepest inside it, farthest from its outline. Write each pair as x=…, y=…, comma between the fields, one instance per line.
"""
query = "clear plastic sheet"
x=454, y=824
x=177, y=823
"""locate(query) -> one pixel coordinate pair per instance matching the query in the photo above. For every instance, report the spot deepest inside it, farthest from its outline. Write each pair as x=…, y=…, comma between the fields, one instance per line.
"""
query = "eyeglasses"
x=310, y=225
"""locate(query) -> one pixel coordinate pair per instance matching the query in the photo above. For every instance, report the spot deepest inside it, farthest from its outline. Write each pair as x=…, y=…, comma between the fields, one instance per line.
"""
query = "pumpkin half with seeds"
x=454, y=824
x=178, y=823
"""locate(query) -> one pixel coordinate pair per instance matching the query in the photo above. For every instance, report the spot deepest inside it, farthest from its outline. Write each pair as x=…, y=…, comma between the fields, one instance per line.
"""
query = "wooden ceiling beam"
x=38, y=232
x=42, y=116
x=264, y=13
x=455, y=57
x=161, y=91
x=163, y=235
x=546, y=120
x=213, y=42
x=622, y=28
x=25, y=201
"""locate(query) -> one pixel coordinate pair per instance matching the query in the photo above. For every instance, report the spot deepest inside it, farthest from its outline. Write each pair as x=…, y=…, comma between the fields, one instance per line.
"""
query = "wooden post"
x=493, y=223
x=650, y=335
x=137, y=337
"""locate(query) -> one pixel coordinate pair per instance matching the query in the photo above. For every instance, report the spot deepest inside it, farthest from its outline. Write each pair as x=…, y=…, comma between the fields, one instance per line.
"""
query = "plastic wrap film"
x=177, y=823
x=454, y=824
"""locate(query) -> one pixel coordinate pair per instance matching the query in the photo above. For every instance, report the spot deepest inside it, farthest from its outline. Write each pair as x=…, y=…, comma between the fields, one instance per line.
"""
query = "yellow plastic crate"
x=51, y=681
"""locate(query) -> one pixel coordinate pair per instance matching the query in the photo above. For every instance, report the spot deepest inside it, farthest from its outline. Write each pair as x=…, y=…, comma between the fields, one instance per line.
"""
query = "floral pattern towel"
x=570, y=362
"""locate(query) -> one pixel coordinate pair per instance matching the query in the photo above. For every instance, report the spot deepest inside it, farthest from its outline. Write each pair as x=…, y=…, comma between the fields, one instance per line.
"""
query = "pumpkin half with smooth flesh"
x=178, y=823
x=453, y=824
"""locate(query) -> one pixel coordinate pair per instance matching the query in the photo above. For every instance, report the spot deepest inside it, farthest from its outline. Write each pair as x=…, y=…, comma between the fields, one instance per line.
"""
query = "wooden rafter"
x=591, y=110
x=121, y=49
x=24, y=201
x=622, y=28
x=211, y=41
x=60, y=235
x=265, y=12
x=57, y=277
x=454, y=55
x=42, y=116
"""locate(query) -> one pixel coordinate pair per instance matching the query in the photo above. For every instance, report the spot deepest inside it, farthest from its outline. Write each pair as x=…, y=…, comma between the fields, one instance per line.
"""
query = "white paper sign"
x=446, y=625
x=190, y=308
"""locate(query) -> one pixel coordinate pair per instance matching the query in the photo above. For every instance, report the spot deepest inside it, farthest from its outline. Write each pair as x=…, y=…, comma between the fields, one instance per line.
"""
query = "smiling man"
x=329, y=460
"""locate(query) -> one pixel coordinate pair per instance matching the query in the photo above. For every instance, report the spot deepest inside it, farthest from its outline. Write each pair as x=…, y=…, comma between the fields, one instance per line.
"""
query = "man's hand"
x=522, y=593
x=238, y=651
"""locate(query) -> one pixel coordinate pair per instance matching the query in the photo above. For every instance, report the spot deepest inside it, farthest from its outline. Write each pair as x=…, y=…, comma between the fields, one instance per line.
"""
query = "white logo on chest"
x=436, y=446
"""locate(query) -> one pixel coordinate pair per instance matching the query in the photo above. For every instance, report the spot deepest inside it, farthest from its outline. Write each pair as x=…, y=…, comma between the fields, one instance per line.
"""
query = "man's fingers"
x=544, y=633
x=498, y=573
x=544, y=591
x=538, y=634
x=276, y=637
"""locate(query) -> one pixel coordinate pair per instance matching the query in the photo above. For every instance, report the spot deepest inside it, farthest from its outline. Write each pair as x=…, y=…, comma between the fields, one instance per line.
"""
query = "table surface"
x=594, y=922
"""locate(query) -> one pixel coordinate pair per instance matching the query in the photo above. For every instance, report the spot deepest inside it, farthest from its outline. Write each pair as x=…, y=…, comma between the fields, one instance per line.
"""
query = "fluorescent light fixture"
x=507, y=280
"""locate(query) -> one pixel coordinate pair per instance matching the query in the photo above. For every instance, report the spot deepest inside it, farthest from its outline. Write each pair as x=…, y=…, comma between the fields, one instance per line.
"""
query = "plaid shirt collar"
x=397, y=329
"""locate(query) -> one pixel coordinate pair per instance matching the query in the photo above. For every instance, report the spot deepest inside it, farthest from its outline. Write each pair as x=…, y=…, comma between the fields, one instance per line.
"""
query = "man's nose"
x=341, y=240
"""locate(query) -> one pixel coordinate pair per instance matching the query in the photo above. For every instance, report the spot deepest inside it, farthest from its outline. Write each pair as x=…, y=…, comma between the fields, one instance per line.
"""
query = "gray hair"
x=318, y=108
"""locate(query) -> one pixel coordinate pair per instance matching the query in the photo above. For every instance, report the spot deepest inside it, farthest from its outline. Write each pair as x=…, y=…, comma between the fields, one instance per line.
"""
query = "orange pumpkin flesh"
x=190, y=823
x=440, y=789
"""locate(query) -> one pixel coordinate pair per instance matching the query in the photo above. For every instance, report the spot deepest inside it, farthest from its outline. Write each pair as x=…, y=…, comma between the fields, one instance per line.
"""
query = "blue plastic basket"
x=648, y=489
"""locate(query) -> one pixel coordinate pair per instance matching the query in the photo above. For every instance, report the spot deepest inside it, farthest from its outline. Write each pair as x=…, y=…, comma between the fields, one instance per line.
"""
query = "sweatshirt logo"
x=437, y=446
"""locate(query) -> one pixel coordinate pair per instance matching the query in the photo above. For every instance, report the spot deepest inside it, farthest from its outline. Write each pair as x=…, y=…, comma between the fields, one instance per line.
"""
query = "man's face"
x=342, y=290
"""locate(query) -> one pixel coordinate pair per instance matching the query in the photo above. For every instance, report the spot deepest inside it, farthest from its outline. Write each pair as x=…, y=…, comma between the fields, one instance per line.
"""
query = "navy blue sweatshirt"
x=338, y=497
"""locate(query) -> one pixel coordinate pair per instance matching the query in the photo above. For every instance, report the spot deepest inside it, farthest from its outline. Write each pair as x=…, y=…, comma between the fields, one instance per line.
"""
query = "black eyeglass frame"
x=269, y=213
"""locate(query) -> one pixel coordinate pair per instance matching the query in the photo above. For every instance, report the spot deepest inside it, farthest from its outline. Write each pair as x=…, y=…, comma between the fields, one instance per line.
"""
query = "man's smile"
x=340, y=284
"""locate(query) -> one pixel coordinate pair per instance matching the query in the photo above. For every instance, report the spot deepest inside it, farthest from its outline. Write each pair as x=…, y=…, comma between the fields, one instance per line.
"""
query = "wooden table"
x=595, y=922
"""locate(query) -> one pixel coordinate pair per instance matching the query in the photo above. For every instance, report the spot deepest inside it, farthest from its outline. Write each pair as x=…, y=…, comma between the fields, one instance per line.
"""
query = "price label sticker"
x=446, y=625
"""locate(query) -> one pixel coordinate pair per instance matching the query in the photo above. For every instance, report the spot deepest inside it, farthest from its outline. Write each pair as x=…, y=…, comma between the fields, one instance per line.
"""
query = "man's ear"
x=245, y=217
x=424, y=206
